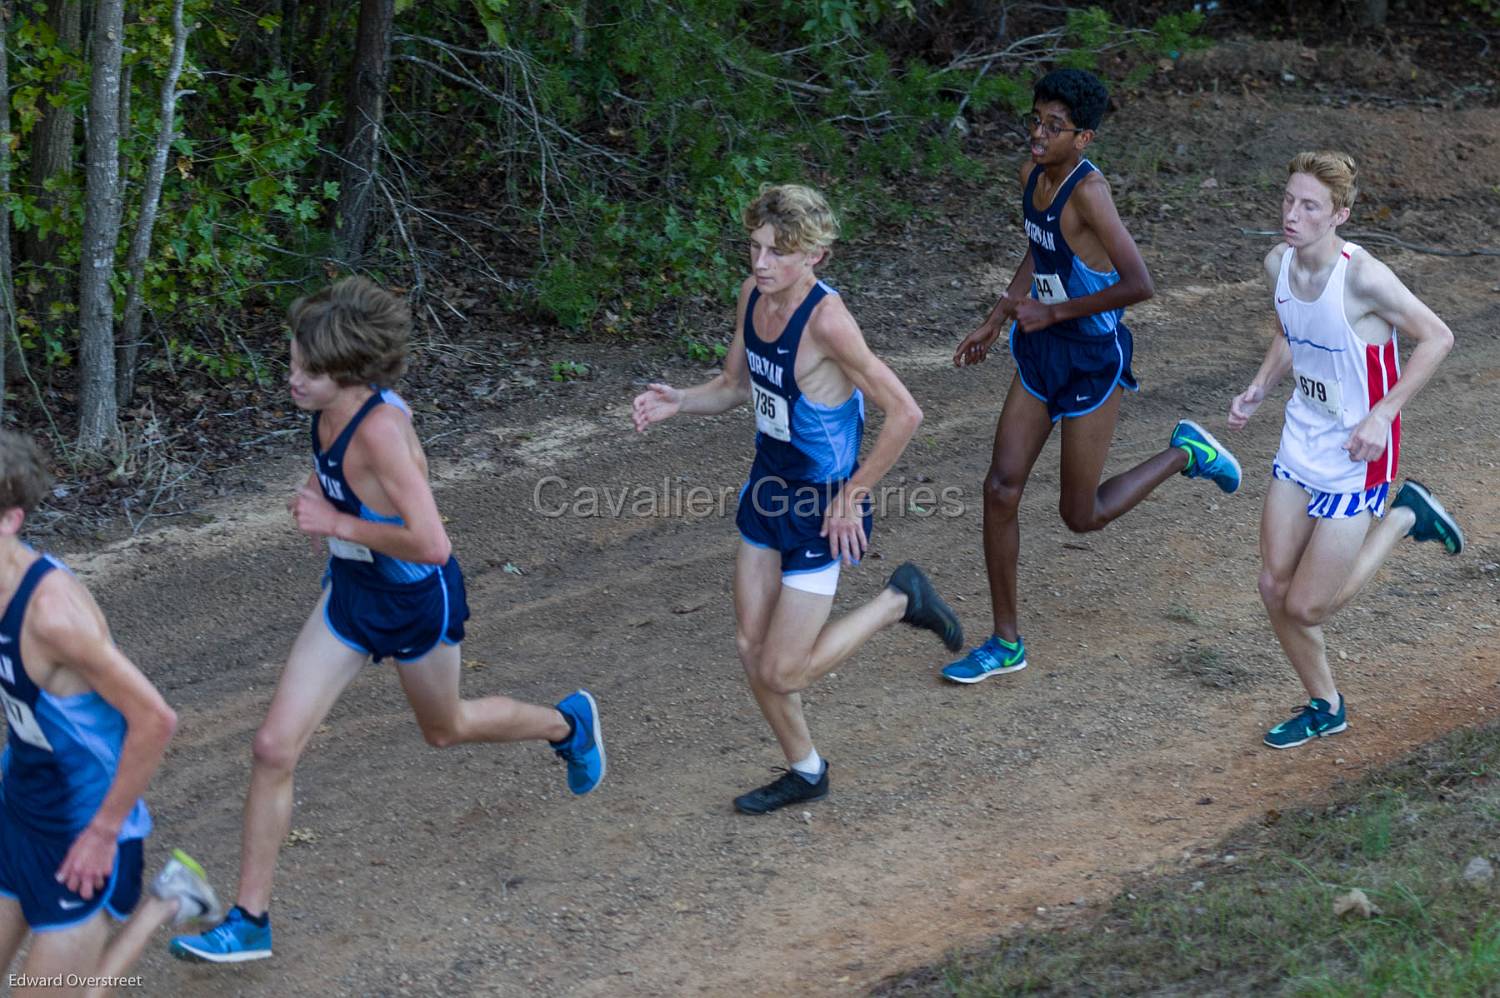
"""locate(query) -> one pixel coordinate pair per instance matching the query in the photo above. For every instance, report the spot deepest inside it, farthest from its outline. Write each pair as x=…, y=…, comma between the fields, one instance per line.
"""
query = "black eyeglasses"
x=1034, y=121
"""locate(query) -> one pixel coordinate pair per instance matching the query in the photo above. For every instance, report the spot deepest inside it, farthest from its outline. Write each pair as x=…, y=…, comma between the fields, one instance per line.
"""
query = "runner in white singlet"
x=1339, y=310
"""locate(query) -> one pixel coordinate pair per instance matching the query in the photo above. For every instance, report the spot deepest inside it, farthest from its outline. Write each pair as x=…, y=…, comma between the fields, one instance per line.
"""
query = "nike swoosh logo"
x=1204, y=449
x=1051, y=218
x=782, y=350
x=1080, y=398
x=1282, y=301
x=69, y=905
x=812, y=554
x=4, y=639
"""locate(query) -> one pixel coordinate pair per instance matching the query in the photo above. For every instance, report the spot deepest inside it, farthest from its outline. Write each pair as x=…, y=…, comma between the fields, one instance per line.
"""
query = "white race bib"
x=1324, y=395
x=1049, y=289
x=770, y=413
x=348, y=549
x=23, y=722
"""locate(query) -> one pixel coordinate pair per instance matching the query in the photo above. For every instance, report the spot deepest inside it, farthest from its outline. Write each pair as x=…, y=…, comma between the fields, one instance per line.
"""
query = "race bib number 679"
x=1323, y=395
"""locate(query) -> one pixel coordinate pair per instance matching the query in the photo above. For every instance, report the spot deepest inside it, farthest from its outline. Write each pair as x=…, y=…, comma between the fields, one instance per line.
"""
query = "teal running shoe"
x=1207, y=458
x=1313, y=721
x=234, y=940
x=1434, y=523
x=583, y=750
x=995, y=657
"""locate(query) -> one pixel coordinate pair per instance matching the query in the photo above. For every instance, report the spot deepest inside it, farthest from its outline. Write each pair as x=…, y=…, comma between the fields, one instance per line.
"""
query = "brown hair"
x=1334, y=170
x=354, y=331
x=800, y=215
x=24, y=478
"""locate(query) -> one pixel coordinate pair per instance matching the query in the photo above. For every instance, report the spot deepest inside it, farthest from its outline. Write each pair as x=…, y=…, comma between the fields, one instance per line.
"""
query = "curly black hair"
x=1080, y=91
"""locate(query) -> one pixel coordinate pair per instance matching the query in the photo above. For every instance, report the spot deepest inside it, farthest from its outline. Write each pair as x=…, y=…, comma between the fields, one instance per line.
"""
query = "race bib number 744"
x=1050, y=289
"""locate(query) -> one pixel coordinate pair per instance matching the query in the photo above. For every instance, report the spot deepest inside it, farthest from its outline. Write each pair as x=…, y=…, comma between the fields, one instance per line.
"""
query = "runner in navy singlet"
x=392, y=590
x=801, y=361
x=85, y=731
x=1066, y=306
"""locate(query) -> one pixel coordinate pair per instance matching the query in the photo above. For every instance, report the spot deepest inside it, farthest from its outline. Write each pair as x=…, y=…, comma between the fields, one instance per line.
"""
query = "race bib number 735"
x=770, y=413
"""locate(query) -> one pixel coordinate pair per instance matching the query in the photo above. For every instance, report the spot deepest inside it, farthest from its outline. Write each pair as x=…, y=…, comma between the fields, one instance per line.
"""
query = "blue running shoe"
x=995, y=657
x=1313, y=721
x=1434, y=523
x=583, y=751
x=234, y=940
x=1207, y=458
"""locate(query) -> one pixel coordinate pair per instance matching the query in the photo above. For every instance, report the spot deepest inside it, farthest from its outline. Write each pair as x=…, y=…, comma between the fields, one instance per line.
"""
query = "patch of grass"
x=1211, y=666
x=1180, y=614
x=1264, y=925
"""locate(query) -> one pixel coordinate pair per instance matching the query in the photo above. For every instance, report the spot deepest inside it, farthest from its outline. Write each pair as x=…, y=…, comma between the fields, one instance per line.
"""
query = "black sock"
x=262, y=920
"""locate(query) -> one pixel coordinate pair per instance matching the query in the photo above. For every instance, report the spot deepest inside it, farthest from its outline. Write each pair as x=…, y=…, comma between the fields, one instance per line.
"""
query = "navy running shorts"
x=1073, y=377
x=400, y=620
x=788, y=517
x=28, y=874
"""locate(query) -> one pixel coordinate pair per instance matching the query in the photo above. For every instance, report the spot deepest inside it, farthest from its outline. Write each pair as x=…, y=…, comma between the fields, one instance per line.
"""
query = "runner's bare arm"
x=1096, y=209
x=65, y=627
x=976, y=346
x=838, y=336
x=386, y=437
x=729, y=389
x=1373, y=283
x=1277, y=362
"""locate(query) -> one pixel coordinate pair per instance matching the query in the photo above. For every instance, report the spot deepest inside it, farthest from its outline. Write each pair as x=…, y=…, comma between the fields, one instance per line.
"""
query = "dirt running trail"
x=955, y=812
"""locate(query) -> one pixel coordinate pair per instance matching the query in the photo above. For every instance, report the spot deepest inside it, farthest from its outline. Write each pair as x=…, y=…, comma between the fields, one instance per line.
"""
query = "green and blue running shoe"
x=234, y=940
x=995, y=657
x=583, y=750
x=182, y=878
x=1313, y=721
x=1207, y=458
x=1434, y=523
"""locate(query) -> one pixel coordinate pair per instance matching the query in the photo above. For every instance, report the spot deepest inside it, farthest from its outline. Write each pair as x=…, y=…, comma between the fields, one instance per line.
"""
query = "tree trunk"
x=7, y=286
x=52, y=156
x=140, y=242
x=363, y=110
x=98, y=416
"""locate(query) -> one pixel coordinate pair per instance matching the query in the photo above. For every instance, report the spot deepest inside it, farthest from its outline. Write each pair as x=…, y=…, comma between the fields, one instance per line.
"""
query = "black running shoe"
x=788, y=788
x=925, y=608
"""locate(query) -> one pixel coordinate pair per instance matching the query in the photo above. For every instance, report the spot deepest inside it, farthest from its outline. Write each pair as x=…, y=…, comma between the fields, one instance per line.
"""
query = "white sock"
x=811, y=768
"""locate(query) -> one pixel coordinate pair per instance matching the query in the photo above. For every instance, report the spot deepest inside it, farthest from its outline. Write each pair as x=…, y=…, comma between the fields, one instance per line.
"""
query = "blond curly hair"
x=799, y=214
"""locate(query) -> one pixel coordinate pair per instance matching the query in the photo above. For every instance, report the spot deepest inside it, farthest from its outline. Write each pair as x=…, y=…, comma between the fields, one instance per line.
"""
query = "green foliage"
x=618, y=140
x=569, y=370
x=701, y=352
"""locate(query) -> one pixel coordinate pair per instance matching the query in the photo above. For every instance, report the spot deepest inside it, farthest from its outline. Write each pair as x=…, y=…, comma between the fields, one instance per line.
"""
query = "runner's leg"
x=73, y=950
x=1020, y=434
x=757, y=590
x=431, y=686
x=13, y=930
x=130, y=942
x=317, y=670
x=1085, y=504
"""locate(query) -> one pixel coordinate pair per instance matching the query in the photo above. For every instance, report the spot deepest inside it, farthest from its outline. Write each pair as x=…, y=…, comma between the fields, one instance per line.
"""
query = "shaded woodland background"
x=176, y=171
